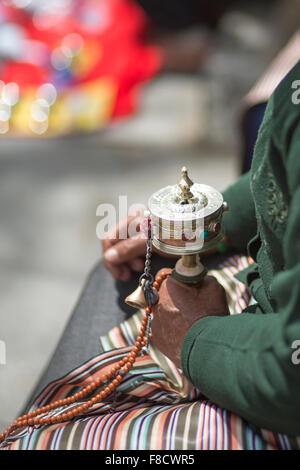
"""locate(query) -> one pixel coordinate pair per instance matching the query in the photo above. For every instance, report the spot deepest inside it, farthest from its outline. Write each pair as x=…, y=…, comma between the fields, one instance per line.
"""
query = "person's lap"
x=100, y=307
x=141, y=402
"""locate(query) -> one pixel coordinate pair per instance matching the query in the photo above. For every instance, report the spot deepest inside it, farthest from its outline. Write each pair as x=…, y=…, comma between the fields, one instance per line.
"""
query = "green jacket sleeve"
x=246, y=363
x=239, y=222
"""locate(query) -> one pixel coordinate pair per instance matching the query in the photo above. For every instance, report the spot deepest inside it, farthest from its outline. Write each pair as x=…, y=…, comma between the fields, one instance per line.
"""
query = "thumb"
x=126, y=250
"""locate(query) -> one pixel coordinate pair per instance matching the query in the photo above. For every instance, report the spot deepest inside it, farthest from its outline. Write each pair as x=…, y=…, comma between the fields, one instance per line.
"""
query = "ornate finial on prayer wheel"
x=185, y=184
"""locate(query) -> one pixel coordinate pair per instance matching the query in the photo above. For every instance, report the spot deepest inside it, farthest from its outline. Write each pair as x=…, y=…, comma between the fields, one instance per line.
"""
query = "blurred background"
x=100, y=99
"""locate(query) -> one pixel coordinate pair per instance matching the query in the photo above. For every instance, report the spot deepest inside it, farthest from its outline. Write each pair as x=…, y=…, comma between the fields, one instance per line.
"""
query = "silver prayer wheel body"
x=186, y=218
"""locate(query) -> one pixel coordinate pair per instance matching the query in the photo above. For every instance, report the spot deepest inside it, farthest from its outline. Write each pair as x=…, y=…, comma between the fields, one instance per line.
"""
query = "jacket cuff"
x=193, y=333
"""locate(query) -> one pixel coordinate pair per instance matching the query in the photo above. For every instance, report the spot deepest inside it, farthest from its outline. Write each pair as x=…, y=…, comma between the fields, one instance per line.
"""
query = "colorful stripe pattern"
x=155, y=407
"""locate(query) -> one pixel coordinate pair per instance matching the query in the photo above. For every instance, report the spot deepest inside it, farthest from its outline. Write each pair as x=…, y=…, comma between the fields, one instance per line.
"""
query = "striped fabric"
x=154, y=407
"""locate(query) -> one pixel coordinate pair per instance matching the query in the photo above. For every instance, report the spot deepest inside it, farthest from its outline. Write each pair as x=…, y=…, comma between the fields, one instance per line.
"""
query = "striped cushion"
x=155, y=407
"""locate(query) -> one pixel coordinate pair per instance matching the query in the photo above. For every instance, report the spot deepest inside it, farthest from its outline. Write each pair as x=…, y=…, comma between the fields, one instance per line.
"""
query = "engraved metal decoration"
x=187, y=220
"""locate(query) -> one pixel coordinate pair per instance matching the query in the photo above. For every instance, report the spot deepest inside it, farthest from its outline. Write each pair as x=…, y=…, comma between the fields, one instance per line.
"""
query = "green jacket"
x=244, y=362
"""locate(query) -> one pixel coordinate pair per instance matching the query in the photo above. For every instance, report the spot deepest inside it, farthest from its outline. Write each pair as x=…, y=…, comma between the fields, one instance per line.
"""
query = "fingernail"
x=111, y=255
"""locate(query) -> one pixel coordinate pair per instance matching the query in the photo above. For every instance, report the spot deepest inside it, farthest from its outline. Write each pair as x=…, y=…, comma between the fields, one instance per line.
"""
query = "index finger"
x=113, y=235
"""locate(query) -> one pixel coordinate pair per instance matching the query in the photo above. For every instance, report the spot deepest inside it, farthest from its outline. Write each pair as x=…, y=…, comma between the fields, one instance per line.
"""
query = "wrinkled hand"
x=179, y=307
x=122, y=256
